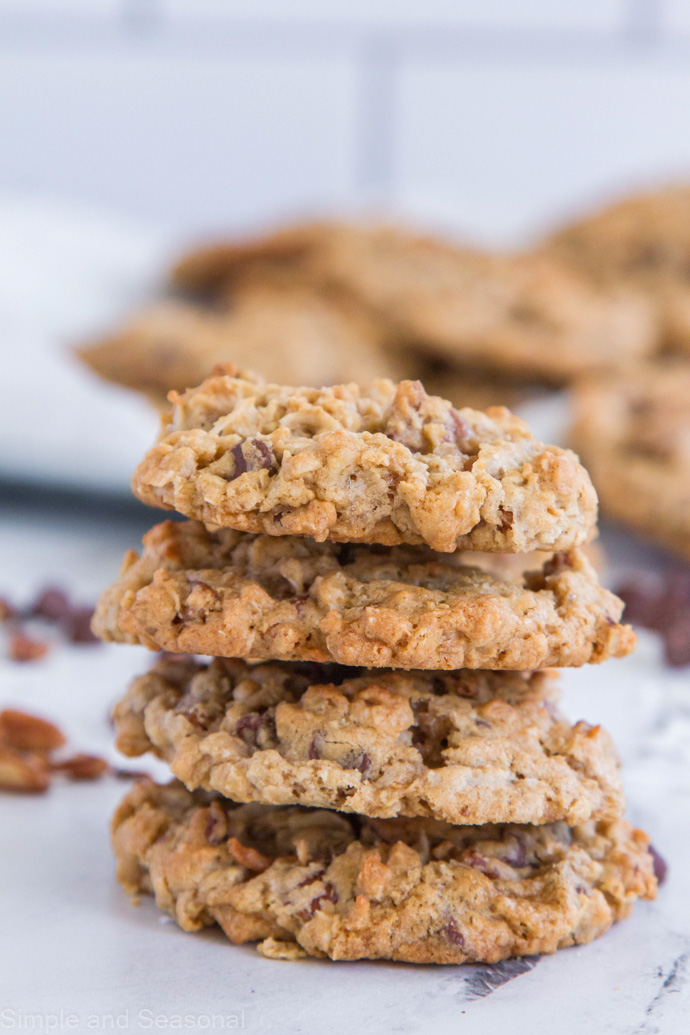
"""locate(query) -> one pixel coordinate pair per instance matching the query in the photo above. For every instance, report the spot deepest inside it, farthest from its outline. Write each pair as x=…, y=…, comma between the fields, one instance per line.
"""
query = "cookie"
x=289, y=330
x=642, y=240
x=634, y=434
x=210, y=269
x=473, y=385
x=527, y=316
x=464, y=747
x=234, y=594
x=386, y=464
x=322, y=883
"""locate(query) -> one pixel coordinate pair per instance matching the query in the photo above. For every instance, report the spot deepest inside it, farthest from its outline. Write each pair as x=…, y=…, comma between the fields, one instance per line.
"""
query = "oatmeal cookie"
x=289, y=330
x=322, y=883
x=465, y=747
x=210, y=269
x=528, y=316
x=634, y=434
x=382, y=464
x=643, y=240
x=233, y=594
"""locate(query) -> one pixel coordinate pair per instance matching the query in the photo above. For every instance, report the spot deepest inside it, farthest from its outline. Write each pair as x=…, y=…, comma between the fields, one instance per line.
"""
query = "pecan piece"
x=24, y=648
x=248, y=857
x=82, y=767
x=25, y=732
x=27, y=773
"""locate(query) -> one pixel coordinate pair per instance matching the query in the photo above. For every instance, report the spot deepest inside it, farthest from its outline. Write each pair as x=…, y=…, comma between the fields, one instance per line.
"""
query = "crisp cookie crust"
x=634, y=433
x=288, y=328
x=320, y=883
x=464, y=747
x=233, y=594
x=383, y=464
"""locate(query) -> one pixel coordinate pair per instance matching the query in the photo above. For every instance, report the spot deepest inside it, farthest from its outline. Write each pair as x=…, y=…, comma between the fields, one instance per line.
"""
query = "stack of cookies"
x=373, y=764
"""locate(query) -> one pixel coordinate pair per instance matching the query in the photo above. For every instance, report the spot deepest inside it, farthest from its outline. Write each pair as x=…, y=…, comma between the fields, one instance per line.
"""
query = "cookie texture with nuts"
x=464, y=747
x=234, y=594
x=322, y=883
x=382, y=464
x=634, y=434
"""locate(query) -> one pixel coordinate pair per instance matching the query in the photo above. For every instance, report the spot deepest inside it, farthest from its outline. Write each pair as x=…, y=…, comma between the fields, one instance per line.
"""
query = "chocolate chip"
x=364, y=763
x=76, y=625
x=515, y=852
x=252, y=455
x=677, y=640
x=453, y=934
x=51, y=603
x=482, y=863
x=462, y=430
x=266, y=736
x=660, y=866
x=247, y=727
x=641, y=602
x=131, y=774
x=216, y=824
x=316, y=746
x=662, y=605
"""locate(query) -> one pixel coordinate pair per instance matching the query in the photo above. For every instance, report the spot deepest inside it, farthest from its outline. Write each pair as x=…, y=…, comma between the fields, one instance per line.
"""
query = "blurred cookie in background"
x=471, y=385
x=209, y=269
x=322, y=303
x=523, y=316
x=642, y=240
x=632, y=432
x=284, y=329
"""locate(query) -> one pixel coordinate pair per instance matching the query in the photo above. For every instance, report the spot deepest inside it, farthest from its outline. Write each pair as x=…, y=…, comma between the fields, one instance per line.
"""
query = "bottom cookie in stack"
x=474, y=821
x=321, y=883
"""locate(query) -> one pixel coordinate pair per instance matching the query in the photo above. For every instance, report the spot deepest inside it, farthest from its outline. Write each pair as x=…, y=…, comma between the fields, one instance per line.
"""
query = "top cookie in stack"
x=328, y=529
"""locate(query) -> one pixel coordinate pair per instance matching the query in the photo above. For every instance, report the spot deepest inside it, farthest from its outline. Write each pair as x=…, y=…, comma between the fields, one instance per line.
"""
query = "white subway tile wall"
x=553, y=135
x=401, y=13
x=490, y=116
x=676, y=15
x=198, y=140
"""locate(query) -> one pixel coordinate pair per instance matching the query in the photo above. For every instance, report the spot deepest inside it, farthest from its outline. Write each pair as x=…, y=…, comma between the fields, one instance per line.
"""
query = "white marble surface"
x=70, y=941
